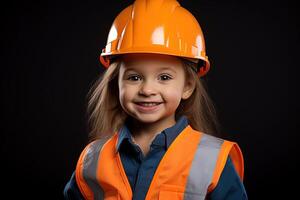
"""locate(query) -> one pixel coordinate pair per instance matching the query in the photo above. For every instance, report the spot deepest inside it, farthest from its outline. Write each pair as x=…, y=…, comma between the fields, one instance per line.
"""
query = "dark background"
x=50, y=59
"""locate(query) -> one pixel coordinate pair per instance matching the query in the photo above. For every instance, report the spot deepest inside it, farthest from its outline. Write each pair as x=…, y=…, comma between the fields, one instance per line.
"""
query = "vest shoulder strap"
x=231, y=149
x=86, y=169
x=208, y=164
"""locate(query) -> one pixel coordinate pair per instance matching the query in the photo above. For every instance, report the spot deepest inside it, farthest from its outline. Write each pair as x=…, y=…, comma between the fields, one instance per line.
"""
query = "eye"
x=134, y=77
x=165, y=77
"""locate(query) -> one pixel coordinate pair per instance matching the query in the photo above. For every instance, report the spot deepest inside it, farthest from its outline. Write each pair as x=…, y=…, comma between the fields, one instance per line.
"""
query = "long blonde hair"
x=106, y=116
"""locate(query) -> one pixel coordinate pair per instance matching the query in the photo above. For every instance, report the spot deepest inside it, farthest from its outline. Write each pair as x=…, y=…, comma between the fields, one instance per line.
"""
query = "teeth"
x=148, y=104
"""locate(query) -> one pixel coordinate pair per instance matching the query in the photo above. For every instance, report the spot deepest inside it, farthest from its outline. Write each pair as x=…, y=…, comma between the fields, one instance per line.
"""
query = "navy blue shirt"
x=140, y=169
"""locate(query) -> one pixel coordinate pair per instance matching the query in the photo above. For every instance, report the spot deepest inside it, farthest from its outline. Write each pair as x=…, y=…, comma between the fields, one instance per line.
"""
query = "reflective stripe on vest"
x=190, y=168
x=205, y=158
x=86, y=170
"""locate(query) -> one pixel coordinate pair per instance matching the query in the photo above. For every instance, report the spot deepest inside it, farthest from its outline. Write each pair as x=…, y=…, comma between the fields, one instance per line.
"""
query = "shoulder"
x=93, y=148
x=230, y=186
x=87, y=164
x=217, y=151
x=91, y=152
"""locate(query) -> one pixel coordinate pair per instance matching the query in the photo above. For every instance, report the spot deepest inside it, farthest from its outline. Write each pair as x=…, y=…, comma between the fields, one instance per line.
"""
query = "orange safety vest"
x=190, y=168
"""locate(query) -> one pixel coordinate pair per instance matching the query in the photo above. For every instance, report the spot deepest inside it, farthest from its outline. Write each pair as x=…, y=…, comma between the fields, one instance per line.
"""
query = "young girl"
x=152, y=120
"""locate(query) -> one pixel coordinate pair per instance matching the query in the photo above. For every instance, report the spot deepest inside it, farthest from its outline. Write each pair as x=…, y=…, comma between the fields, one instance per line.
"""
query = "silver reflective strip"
x=90, y=168
x=203, y=167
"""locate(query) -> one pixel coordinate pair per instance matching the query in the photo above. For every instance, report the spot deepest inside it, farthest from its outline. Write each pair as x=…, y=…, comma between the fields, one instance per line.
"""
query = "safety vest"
x=190, y=168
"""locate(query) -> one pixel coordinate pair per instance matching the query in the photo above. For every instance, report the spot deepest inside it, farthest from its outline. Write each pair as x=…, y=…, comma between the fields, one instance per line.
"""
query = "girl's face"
x=151, y=87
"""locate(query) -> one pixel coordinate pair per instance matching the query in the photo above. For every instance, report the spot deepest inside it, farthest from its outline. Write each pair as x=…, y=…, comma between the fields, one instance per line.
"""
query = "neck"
x=144, y=133
x=150, y=130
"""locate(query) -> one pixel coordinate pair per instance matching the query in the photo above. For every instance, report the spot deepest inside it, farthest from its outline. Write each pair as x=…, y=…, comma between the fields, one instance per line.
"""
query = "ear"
x=188, y=89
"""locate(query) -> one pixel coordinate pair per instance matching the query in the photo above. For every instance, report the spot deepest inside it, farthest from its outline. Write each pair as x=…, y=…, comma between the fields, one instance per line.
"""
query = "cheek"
x=123, y=99
x=174, y=91
x=121, y=94
x=173, y=96
x=125, y=94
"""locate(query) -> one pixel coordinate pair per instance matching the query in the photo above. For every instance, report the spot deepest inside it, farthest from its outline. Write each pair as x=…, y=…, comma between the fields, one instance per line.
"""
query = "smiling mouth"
x=148, y=107
x=148, y=104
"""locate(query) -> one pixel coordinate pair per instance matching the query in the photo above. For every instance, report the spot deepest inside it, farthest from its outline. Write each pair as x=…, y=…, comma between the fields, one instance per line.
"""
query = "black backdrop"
x=50, y=60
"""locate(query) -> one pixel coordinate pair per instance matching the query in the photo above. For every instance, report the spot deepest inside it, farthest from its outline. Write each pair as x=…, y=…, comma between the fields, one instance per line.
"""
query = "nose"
x=147, y=88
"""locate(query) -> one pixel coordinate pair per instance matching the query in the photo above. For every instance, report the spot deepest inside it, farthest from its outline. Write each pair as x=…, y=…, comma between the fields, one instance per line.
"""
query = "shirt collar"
x=170, y=133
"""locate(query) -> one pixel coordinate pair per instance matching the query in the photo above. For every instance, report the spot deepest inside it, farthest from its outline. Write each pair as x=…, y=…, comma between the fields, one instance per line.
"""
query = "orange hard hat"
x=157, y=26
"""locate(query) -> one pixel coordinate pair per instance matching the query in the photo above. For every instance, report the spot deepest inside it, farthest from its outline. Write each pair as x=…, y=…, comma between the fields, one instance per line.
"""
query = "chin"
x=147, y=118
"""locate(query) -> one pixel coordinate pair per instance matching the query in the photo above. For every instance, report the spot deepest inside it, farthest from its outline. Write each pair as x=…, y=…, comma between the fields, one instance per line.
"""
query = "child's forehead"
x=132, y=60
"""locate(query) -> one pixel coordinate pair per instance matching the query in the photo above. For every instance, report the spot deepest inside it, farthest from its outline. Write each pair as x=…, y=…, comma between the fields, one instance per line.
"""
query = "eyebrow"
x=160, y=69
x=168, y=68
